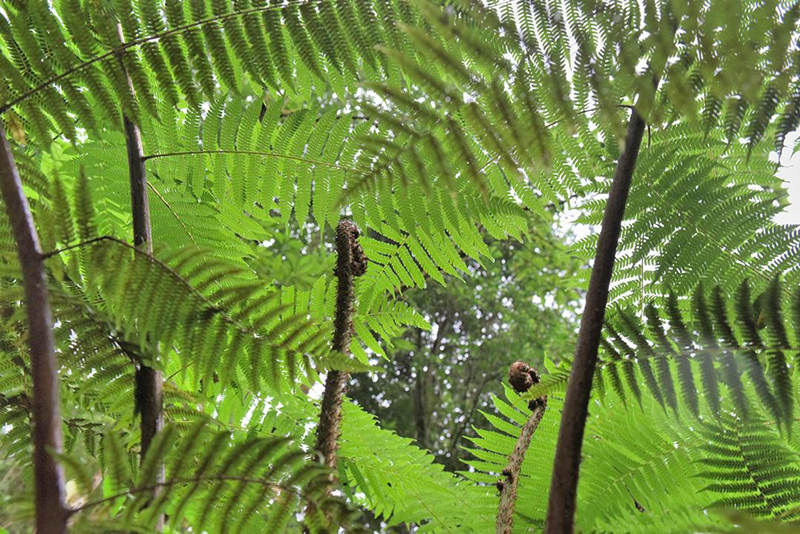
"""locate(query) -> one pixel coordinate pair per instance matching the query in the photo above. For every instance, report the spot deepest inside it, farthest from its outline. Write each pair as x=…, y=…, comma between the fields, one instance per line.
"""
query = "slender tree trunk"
x=419, y=398
x=521, y=376
x=564, y=483
x=149, y=382
x=51, y=510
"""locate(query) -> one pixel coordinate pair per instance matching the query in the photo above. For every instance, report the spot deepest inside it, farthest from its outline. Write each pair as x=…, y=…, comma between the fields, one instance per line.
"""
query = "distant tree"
x=521, y=305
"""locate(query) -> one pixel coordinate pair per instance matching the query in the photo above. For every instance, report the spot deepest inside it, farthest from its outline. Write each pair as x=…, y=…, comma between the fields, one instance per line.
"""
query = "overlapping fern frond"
x=290, y=168
x=491, y=82
x=749, y=468
x=699, y=212
x=214, y=481
x=733, y=350
x=214, y=313
x=648, y=473
x=387, y=473
x=400, y=482
x=70, y=55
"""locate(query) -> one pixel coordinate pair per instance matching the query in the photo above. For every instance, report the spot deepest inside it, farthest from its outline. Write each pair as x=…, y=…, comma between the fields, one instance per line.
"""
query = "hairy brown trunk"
x=350, y=262
x=508, y=484
x=51, y=510
x=564, y=482
x=149, y=382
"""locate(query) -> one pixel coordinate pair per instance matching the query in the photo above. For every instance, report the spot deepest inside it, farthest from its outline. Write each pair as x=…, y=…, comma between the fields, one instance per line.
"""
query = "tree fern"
x=688, y=188
x=649, y=474
x=749, y=468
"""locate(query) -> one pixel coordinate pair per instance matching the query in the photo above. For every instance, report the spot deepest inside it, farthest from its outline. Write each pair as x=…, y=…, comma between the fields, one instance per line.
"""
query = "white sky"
x=790, y=173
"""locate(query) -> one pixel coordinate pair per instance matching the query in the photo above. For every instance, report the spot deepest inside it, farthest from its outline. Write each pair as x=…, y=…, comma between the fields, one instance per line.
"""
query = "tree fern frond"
x=706, y=357
x=213, y=478
x=165, y=50
x=750, y=469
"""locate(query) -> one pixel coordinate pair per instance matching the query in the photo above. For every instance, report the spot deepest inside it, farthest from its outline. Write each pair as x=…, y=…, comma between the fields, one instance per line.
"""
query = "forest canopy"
x=398, y=266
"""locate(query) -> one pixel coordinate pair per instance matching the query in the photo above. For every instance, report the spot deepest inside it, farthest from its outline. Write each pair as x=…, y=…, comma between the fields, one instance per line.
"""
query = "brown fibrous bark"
x=350, y=263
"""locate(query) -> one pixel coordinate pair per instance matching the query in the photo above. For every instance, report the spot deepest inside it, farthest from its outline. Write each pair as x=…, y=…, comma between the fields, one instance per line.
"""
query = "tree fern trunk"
x=350, y=262
x=51, y=510
x=564, y=483
x=149, y=382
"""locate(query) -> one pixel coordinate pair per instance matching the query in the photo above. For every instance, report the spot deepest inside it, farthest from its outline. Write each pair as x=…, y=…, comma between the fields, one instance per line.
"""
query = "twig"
x=51, y=509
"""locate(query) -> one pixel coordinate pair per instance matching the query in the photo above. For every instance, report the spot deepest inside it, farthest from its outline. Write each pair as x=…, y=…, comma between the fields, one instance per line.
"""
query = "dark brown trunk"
x=149, y=382
x=51, y=510
x=419, y=396
x=564, y=483
x=420, y=410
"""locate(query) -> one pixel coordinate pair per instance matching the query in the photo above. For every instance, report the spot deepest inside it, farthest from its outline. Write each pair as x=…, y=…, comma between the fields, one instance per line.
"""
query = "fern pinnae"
x=776, y=334
x=631, y=328
x=628, y=367
x=753, y=368
x=613, y=371
x=707, y=371
x=778, y=371
x=175, y=468
x=277, y=44
x=213, y=450
x=662, y=362
x=257, y=40
x=253, y=464
x=147, y=481
x=284, y=506
x=355, y=31
x=116, y=462
x=686, y=348
x=299, y=33
x=230, y=458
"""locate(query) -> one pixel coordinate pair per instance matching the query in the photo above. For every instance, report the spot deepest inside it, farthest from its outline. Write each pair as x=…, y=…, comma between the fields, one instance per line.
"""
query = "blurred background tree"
x=521, y=306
